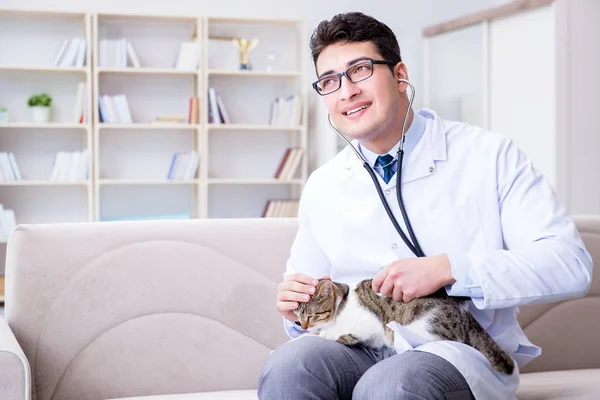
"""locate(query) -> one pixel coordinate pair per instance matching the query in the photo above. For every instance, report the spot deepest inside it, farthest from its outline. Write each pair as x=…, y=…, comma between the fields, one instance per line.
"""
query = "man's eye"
x=327, y=82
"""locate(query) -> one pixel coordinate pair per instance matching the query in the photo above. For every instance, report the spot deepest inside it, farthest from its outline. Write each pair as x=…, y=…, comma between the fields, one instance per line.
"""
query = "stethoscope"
x=414, y=245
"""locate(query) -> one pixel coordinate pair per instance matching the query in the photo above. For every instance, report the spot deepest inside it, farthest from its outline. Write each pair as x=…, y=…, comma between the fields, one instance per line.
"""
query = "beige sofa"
x=186, y=308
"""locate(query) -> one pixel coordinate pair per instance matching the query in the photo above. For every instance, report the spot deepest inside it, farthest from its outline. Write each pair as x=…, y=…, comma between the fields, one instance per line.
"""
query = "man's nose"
x=348, y=89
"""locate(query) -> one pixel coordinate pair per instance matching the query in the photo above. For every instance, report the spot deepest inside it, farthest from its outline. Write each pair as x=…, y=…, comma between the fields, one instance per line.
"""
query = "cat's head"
x=322, y=306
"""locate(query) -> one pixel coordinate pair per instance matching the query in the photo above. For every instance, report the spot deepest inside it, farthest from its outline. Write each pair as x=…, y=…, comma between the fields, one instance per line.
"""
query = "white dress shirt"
x=470, y=194
x=412, y=137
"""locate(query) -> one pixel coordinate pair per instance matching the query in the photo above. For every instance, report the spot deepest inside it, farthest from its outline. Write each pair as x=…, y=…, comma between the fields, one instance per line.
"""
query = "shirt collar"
x=412, y=137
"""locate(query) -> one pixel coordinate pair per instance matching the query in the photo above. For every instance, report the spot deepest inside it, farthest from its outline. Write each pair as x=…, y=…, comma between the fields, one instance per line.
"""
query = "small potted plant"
x=40, y=104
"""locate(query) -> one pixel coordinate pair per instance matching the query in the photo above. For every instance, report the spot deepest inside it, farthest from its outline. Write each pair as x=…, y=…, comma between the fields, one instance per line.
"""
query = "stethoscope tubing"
x=414, y=245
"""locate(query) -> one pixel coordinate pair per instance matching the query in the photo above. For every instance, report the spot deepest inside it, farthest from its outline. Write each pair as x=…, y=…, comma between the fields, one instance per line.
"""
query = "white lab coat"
x=471, y=194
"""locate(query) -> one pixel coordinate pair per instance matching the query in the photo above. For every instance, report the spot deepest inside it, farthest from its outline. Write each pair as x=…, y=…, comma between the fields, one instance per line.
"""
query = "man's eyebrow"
x=349, y=63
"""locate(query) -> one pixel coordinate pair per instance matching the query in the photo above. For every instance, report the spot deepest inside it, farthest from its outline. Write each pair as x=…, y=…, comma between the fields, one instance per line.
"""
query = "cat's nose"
x=304, y=325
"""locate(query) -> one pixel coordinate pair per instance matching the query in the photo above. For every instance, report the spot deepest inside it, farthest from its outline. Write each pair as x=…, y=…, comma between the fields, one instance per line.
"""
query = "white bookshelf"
x=30, y=42
x=130, y=161
x=134, y=158
x=241, y=185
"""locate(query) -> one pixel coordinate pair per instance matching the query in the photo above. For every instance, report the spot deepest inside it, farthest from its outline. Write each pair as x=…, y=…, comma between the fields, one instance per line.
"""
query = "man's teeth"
x=356, y=110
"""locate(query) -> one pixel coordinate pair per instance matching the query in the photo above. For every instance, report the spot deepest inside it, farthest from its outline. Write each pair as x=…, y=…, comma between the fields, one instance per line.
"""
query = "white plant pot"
x=41, y=115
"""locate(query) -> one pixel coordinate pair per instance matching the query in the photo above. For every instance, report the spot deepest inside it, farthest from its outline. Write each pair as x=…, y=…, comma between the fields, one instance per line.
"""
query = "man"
x=489, y=224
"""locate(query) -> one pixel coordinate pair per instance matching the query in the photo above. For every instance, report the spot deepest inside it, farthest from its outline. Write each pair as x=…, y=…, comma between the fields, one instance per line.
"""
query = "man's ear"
x=401, y=72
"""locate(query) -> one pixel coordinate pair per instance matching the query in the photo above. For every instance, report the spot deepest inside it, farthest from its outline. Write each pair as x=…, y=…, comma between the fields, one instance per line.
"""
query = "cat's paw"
x=348, y=340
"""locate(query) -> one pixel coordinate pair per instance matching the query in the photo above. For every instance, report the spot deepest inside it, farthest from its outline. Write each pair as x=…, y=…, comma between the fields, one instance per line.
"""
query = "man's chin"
x=353, y=134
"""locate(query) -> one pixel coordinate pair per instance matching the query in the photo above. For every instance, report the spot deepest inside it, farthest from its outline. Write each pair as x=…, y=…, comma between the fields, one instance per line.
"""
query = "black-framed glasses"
x=356, y=73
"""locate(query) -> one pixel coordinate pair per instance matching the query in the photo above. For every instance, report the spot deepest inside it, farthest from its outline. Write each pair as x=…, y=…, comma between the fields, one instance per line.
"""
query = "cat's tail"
x=478, y=338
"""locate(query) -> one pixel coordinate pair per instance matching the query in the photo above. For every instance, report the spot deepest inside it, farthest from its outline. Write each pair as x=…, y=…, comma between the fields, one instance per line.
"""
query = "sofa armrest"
x=15, y=376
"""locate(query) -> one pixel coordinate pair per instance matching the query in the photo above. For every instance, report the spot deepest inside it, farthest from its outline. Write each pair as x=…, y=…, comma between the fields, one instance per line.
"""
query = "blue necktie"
x=385, y=161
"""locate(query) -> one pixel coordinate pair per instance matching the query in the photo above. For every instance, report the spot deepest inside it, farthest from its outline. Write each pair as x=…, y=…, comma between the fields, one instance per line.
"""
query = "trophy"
x=244, y=46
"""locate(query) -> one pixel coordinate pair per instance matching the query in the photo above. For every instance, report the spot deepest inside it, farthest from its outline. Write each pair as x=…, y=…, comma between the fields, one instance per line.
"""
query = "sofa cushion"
x=583, y=384
x=225, y=395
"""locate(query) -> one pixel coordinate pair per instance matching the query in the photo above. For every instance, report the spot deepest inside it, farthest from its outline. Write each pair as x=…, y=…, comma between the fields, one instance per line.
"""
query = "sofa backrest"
x=568, y=331
x=117, y=309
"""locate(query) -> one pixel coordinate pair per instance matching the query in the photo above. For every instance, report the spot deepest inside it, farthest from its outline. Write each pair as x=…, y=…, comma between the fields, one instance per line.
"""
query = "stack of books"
x=7, y=222
x=81, y=106
x=114, y=109
x=115, y=53
x=71, y=53
x=217, y=114
x=9, y=170
x=70, y=166
x=292, y=157
x=286, y=111
x=281, y=209
x=170, y=119
x=183, y=166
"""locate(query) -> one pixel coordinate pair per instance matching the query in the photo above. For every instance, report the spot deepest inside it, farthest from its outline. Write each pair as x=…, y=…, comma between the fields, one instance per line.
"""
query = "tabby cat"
x=361, y=316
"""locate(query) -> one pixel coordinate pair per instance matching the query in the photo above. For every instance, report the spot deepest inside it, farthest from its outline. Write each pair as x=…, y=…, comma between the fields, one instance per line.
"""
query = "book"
x=292, y=157
x=194, y=110
x=183, y=166
x=282, y=208
x=133, y=57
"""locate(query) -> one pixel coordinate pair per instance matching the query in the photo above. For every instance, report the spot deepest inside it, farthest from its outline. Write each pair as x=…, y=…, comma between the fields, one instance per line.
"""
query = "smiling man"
x=489, y=225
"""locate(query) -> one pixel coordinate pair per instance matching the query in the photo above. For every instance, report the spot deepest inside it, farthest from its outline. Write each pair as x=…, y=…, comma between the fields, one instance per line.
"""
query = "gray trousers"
x=322, y=369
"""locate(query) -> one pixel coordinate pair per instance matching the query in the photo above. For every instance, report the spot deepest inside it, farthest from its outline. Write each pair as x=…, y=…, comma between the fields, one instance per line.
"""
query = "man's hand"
x=294, y=288
x=410, y=278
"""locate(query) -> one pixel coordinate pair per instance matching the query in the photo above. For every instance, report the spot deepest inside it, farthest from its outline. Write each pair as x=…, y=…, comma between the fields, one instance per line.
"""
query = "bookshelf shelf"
x=34, y=68
x=252, y=127
x=147, y=70
x=147, y=182
x=255, y=21
x=254, y=73
x=51, y=125
x=27, y=182
x=137, y=17
x=158, y=126
x=229, y=181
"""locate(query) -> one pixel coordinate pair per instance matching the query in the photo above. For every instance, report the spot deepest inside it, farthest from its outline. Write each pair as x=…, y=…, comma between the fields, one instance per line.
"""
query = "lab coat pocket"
x=455, y=228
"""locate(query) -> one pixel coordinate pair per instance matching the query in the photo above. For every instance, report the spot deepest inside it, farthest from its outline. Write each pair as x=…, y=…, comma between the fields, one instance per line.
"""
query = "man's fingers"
x=398, y=295
x=302, y=278
x=379, y=279
x=387, y=287
x=292, y=296
x=283, y=306
x=298, y=287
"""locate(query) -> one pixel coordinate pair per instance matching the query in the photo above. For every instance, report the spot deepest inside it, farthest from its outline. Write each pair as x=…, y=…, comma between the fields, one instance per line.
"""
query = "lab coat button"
x=387, y=192
x=394, y=246
x=431, y=169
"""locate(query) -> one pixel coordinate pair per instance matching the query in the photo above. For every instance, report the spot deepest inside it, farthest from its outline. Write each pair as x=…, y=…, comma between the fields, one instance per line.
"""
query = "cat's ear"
x=325, y=288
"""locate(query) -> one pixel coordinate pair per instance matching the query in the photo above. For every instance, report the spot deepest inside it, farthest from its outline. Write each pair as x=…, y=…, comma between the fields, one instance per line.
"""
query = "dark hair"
x=355, y=27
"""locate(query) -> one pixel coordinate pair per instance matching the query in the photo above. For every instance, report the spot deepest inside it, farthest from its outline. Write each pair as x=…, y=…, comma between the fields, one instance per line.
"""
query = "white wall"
x=405, y=17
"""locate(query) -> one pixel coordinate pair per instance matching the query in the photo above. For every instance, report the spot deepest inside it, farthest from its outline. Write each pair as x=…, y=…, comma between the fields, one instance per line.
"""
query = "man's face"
x=379, y=94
